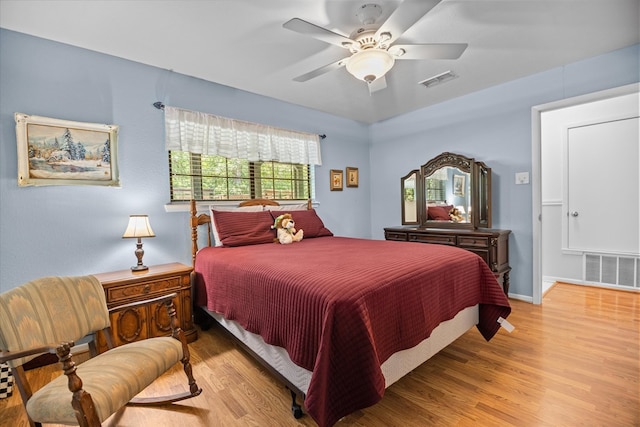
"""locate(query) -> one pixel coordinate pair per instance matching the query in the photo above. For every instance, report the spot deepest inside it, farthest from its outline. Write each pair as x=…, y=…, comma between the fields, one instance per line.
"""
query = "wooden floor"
x=574, y=361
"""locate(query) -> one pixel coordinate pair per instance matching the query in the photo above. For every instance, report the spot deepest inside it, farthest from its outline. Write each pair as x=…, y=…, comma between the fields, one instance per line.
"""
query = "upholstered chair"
x=52, y=313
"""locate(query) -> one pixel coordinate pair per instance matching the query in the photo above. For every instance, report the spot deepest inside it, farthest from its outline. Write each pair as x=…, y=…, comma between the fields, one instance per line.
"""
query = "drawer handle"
x=146, y=289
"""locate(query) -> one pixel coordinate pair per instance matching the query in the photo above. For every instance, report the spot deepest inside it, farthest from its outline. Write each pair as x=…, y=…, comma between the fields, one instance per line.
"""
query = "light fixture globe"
x=370, y=64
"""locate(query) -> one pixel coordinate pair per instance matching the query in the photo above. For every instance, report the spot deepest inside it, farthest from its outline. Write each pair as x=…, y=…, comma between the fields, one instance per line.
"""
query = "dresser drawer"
x=142, y=290
x=395, y=235
x=473, y=242
x=439, y=239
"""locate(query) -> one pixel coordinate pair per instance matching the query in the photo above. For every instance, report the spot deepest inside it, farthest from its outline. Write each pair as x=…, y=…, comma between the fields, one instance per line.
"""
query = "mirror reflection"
x=448, y=195
x=409, y=198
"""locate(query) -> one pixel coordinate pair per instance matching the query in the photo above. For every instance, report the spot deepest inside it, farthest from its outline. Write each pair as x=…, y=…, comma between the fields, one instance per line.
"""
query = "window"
x=217, y=158
x=211, y=177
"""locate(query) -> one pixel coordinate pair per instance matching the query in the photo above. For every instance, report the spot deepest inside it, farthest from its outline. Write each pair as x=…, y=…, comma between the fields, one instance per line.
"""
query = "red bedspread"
x=342, y=306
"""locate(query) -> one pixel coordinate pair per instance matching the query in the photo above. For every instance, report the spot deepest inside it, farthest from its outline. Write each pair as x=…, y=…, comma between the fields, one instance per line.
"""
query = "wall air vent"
x=617, y=270
x=438, y=79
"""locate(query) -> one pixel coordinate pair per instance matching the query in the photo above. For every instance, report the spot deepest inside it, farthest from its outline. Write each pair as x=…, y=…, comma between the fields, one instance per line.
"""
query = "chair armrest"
x=11, y=355
x=144, y=302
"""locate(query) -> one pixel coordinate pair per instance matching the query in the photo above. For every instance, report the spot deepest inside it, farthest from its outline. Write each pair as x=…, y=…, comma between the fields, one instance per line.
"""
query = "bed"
x=337, y=319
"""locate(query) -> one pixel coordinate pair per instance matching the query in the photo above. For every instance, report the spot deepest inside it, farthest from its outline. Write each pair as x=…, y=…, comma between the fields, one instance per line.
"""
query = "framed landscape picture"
x=62, y=152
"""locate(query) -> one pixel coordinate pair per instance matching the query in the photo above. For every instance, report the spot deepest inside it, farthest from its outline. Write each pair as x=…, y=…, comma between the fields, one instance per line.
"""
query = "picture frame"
x=63, y=152
x=458, y=185
x=335, y=179
x=352, y=176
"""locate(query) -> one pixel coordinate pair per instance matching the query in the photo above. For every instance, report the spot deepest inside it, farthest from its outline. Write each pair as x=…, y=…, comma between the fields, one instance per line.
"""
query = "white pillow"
x=294, y=207
x=214, y=230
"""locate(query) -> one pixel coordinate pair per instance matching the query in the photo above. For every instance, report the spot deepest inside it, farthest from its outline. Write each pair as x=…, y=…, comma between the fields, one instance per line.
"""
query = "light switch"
x=522, y=178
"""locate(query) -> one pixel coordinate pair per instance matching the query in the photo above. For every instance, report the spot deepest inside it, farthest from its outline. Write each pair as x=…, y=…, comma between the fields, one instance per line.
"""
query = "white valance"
x=204, y=133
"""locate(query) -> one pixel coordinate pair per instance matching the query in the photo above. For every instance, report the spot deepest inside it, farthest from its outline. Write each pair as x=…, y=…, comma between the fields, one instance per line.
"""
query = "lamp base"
x=139, y=268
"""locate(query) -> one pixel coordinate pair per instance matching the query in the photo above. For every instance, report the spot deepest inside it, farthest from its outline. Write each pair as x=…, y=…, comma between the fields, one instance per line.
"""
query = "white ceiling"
x=242, y=44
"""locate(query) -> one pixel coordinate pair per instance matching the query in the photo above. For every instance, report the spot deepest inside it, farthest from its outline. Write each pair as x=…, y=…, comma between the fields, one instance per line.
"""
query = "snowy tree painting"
x=65, y=151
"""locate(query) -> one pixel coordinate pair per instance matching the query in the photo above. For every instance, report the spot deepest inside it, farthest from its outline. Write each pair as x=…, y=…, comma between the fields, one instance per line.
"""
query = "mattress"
x=394, y=368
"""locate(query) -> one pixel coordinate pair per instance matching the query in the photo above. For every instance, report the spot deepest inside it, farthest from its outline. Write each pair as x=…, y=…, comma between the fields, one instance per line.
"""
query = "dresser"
x=491, y=245
x=137, y=323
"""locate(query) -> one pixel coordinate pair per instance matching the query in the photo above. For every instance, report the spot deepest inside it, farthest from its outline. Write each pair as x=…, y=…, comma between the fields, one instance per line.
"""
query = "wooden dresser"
x=133, y=324
x=492, y=245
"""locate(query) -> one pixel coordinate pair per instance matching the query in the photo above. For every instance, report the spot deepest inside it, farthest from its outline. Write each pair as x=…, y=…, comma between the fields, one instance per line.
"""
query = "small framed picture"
x=352, y=177
x=335, y=180
x=458, y=185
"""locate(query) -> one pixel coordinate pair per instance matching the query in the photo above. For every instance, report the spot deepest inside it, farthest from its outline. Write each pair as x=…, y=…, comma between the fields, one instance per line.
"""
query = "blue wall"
x=493, y=126
x=62, y=230
x=69, y=230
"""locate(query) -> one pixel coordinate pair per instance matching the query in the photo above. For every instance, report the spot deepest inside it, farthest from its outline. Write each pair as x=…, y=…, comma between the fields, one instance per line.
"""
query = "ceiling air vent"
x=438, y=79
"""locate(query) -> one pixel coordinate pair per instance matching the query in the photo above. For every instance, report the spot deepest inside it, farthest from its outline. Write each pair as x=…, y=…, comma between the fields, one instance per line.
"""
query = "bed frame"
x=276, y=360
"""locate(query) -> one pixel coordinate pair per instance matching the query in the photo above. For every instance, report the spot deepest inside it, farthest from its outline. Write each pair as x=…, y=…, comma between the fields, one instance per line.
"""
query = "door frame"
x=536, y=168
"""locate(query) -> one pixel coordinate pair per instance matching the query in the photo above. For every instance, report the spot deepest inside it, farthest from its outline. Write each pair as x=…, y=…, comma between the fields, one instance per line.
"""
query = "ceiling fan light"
x=370, y=64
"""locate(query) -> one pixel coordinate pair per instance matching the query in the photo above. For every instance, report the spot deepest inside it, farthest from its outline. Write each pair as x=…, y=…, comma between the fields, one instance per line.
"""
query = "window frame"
x=198, y=189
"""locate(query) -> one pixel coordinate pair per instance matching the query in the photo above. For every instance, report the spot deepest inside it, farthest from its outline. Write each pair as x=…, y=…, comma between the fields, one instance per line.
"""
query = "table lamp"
x=138, y=227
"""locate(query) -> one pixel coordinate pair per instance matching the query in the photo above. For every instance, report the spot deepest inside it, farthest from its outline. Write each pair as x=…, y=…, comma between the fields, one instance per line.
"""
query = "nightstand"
x=133, y=324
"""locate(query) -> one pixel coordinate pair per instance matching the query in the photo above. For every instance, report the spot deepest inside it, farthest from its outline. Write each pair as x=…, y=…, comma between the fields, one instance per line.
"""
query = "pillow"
x=214, y=229
x=241, y=228
x=438, y=213
x=310, y=223
x=295, y=207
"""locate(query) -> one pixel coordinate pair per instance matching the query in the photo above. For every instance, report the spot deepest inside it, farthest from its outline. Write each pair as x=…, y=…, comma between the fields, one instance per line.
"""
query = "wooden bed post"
x=194, y=231
x=197, y=220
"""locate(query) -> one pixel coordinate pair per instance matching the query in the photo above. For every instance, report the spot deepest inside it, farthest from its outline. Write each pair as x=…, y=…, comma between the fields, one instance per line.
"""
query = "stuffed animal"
x=456, y=215
x=286, y=232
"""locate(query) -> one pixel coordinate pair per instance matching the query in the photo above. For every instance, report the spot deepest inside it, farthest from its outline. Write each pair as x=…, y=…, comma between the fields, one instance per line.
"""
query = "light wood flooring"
x=573, y=361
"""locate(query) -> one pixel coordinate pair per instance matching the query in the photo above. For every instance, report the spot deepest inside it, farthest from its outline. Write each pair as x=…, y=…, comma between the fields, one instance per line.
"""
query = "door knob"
x=574, y=213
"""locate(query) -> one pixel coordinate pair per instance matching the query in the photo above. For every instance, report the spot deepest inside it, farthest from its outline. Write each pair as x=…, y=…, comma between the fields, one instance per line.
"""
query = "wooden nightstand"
x=133, y=324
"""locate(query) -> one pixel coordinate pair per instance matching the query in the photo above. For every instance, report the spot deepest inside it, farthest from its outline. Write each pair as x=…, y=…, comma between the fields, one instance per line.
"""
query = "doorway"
x=542, y=155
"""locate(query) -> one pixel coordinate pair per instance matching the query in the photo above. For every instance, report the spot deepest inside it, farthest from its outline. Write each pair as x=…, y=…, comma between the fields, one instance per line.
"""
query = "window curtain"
x=204, y=133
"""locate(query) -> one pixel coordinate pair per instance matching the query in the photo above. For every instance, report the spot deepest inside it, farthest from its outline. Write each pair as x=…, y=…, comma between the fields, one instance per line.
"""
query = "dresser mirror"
x=449, y=191
x=409, y=191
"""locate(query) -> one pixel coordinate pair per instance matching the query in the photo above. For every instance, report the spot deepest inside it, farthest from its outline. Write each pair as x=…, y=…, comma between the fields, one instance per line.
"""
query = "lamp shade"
x=138, y=227
x=370, y=64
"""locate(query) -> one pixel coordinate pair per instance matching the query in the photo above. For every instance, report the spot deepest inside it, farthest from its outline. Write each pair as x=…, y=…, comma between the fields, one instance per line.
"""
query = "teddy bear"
x=456, y=215
x=286, y=232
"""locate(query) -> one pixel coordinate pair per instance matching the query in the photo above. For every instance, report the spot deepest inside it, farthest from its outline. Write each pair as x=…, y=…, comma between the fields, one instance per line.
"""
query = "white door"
x=602, y=201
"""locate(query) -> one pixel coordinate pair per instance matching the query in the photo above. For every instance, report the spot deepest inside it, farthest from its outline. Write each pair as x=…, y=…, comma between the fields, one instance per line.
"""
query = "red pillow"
x=244, y=228
x=439, y=213
x=310, y=223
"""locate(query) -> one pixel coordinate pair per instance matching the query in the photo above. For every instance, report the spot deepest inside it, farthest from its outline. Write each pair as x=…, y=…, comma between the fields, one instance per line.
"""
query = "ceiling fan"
x=371, y=46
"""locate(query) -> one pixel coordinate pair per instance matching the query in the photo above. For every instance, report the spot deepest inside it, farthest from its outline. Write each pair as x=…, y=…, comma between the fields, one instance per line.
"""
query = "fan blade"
x=376, y=85
x=408, y=13
x=322, y=70
x=428, y=51
x=309, y=29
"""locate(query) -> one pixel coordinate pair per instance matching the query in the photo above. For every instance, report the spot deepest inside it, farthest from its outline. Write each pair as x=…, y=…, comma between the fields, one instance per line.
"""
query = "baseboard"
x=525, y=298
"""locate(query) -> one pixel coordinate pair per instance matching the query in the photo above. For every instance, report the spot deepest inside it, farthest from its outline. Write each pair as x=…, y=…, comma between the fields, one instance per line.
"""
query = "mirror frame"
x=417, y=191
x=480, y=191
x=481, y=201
